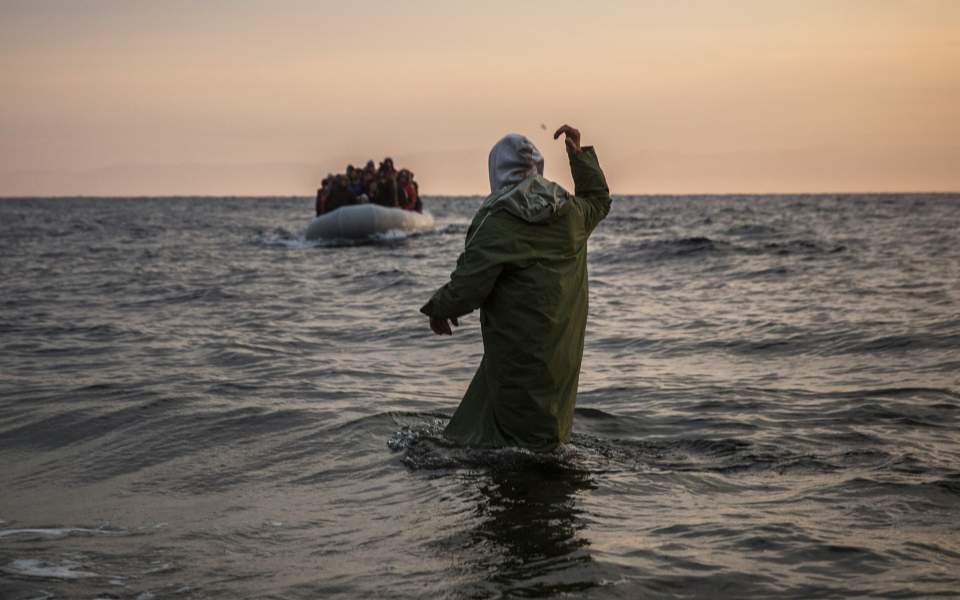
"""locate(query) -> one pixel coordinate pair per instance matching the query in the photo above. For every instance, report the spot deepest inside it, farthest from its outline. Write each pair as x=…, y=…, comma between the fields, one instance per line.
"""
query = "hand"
x=572, y=140
x=442, y=326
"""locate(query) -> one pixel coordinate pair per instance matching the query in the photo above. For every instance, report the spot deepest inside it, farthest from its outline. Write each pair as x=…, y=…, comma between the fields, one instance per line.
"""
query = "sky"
x=246, y=97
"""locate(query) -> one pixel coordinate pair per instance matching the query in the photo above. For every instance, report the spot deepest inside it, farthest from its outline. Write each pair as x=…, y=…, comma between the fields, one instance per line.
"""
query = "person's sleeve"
x=474, y=277
x=590, y=186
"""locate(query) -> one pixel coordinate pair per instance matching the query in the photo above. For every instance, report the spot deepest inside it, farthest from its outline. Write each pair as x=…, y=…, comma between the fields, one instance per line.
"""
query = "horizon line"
x=428, y=196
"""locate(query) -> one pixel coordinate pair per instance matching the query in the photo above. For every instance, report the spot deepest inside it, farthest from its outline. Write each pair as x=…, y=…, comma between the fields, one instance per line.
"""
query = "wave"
x=423, y=447
x=749, y=341
x=658, y=249
x=282, y=238
x=28, y=567
x=55, y=533
x=645, y=251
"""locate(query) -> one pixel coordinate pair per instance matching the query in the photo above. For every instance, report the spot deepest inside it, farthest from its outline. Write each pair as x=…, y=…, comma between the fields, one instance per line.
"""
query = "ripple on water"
x=768, y=407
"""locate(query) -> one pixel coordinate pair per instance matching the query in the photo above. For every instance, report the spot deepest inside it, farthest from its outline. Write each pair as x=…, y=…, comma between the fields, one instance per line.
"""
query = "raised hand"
x=572, y=140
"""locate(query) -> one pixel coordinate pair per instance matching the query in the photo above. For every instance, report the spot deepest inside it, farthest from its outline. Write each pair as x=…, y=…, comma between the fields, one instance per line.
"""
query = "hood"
x=534, y=200
x=513, y=159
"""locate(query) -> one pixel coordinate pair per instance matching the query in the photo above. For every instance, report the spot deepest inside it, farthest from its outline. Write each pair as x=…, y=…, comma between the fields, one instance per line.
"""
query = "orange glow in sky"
x=128, y=97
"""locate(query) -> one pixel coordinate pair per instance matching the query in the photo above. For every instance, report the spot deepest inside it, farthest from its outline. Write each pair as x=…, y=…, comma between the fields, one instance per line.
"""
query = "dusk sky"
x=128, y=97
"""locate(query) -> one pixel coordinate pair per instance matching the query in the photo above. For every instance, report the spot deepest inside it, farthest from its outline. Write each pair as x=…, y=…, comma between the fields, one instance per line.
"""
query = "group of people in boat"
x=382, y=185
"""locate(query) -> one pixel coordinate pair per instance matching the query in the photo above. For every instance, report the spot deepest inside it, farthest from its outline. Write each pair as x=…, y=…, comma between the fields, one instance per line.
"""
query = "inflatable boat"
x=360, y=221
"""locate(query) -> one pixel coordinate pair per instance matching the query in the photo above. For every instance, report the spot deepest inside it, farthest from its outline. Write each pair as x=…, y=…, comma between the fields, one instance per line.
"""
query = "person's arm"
x=472, y=281
x=590, y=185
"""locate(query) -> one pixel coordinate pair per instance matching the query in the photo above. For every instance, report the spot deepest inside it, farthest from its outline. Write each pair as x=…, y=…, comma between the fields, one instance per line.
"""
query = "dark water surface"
x=194, y=403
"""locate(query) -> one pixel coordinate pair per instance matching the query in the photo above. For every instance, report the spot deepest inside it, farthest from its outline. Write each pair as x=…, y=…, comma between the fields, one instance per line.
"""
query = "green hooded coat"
x=524, y=265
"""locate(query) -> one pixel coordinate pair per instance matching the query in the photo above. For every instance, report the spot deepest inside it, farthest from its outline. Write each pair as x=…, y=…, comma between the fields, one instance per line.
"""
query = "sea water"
x=197, y=403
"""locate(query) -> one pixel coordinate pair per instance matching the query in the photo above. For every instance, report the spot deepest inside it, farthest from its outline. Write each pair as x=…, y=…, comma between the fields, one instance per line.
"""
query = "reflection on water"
x=195, y=403
x=530, y=525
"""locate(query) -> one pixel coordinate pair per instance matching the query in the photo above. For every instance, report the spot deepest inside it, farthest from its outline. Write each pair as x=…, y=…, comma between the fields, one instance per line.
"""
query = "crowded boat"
x=360, y=203
x=383, y=186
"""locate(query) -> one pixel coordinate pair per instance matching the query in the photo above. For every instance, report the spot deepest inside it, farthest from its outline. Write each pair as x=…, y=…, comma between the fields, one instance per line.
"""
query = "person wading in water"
x=524, y=265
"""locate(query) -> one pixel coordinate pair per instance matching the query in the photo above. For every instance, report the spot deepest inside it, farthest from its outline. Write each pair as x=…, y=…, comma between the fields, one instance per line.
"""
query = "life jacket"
x=411, y=196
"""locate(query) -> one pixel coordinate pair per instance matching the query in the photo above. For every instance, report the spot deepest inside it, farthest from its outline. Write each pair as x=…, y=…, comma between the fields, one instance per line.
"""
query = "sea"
x=195, y=402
